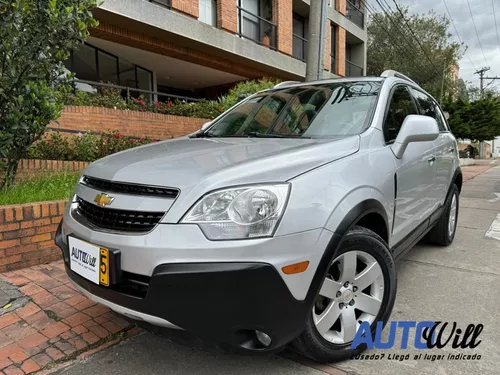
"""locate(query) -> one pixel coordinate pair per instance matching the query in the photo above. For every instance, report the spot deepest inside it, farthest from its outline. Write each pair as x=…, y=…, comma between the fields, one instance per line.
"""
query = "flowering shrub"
x=83, y=146
x=209, y=109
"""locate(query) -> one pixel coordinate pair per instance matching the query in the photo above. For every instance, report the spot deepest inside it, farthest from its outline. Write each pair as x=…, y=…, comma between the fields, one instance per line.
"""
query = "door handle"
x=432, y=159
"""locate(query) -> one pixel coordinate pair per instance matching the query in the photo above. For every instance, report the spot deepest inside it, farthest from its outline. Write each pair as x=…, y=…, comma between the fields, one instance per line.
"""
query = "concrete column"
x=328, y=46
x=227, y=15
x=283, y=18
x=189, y=7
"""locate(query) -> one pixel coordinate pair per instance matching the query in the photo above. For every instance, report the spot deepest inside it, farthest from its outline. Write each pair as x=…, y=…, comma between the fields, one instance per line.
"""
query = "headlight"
x=242, y=212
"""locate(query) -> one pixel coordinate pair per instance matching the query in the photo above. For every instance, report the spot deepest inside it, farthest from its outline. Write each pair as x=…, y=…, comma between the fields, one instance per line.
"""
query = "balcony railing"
x=299, y=47
x=131, y=92
x=164, y=3
x=353, y=70
x=256, y=28
x=355, y=14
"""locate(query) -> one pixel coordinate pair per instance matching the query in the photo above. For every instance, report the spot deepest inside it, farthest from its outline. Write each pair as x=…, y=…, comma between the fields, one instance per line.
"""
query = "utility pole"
x=481, y=78
x=316, y=44
x=481, y=85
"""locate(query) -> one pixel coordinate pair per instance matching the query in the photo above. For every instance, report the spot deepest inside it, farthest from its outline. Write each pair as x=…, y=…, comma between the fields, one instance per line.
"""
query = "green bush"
x=83, y=147
x=209, y=109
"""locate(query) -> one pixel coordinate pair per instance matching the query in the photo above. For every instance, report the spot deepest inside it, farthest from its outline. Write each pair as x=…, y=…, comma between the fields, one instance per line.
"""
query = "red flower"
x=71, y=97
x=132, y=141
x=169, y=104
x=117, y=135
x=157, y=105
x=141, y=102
x=142, y=139
x=154, y=141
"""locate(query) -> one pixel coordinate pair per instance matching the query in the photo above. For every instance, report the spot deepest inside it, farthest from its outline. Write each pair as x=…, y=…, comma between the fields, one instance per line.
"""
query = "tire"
x=440, y=234
x=360, y=241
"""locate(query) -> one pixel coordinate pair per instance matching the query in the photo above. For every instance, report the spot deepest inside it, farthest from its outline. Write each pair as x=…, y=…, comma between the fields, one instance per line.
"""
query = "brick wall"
x=27, y=168
x=340, y=53
x=189, y=7
x=129, y=123
x=341, y=6
x=227, y=15
x=283, y=17
x=27, y=234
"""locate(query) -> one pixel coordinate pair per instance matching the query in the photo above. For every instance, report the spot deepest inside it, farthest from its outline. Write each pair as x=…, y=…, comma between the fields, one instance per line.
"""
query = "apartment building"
x=200, y=48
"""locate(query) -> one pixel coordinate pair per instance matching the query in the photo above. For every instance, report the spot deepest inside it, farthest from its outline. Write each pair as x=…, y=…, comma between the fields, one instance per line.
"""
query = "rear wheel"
x=360, y=286
x=444, y=231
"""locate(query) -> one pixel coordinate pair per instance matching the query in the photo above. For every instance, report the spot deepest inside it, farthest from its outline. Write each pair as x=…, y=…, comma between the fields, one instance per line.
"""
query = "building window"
x=254, y=22
x=208, y=12
x=299, y=37
x=333, y=48
x=163, y=3
x=92, y=64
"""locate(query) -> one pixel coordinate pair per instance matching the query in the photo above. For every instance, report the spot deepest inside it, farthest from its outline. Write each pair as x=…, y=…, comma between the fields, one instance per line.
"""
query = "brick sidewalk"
x=58, y=323
x=471, y=171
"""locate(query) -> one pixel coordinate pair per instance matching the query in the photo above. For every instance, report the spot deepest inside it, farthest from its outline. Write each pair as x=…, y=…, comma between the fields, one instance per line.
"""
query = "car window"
x=400, y=106
x=331, y=109
x=428, y=107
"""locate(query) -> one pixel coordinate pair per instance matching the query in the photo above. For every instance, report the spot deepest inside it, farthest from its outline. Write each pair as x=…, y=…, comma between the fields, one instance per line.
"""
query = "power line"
x=477, y=34
x=456, y=32
x=414, y=36
x=496, y=26
x=404, y=49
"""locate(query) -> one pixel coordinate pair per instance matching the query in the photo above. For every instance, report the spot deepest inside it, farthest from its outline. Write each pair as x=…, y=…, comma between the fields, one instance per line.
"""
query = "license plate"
x=89, y=260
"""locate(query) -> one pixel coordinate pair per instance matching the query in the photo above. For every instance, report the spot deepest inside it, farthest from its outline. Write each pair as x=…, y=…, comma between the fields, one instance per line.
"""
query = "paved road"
x=460, y=283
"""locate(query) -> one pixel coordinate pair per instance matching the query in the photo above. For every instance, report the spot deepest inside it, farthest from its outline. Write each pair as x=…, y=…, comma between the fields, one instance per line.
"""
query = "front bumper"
x=218, y=302
x=225, y=302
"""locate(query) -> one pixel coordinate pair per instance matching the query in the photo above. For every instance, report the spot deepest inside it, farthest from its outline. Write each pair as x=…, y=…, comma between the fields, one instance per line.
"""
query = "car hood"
x=198, y=165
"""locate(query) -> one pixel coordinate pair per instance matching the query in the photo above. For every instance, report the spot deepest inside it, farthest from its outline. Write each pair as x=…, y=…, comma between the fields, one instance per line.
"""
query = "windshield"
x=325, y=110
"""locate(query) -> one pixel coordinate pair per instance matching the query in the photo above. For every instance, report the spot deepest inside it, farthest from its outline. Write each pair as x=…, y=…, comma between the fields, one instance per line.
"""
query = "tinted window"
x=428, y=107
x=330, y=109
x=401, y=105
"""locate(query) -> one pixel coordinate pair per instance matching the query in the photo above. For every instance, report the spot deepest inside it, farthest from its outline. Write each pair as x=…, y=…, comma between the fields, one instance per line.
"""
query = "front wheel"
x=360, y=286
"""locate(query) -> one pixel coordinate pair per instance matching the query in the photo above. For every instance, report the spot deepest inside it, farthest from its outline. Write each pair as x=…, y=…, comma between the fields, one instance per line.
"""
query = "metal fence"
x=353, y=70
x=256, y=28
x=355, y=14
x=128, y=92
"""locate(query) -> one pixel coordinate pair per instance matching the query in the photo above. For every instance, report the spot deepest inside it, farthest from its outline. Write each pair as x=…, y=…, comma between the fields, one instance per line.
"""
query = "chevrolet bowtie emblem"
x=103, y=199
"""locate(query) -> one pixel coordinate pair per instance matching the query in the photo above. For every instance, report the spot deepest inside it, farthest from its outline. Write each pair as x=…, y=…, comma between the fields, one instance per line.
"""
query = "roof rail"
x=285, y=83
x=393, y=73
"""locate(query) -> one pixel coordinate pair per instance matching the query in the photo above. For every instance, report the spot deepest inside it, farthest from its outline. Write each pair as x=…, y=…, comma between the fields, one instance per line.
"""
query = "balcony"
x=353, y=70
x=354, y=14
x=299, y=47
x=164, y=3
x=256, y=28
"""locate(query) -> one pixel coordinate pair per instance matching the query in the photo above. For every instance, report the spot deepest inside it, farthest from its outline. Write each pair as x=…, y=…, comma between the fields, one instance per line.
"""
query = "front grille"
x=124, y=188
x=118, y=220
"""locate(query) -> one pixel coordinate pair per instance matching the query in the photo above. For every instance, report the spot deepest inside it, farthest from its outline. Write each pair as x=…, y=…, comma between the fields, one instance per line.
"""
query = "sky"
x=482, y=11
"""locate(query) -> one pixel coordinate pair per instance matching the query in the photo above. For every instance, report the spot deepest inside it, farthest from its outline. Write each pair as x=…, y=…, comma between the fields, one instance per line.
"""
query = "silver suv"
x=278, y=222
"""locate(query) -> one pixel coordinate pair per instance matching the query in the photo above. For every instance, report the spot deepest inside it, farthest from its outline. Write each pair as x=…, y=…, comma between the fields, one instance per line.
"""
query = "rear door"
x=445, y=145
x=415, y=170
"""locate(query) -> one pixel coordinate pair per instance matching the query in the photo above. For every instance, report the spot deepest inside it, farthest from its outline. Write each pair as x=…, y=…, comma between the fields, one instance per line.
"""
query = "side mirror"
x=416, y=128
x=205, y=126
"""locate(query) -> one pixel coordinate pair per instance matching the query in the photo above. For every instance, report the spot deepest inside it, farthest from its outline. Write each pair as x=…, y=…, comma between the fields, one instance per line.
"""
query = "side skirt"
x=407, y=243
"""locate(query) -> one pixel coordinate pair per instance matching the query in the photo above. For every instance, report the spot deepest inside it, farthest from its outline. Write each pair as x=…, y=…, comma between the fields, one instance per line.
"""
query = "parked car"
x=278, y=222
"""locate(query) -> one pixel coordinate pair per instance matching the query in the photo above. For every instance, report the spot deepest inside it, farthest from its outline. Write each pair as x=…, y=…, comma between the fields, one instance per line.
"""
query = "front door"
x=415, y=171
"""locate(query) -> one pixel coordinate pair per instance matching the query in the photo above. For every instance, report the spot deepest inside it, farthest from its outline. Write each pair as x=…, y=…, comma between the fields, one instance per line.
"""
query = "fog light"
x=263, y=338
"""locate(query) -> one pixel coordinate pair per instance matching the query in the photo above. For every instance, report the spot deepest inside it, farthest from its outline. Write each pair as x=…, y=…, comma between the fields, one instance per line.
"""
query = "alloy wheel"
x=453, y=216
x=352, y=292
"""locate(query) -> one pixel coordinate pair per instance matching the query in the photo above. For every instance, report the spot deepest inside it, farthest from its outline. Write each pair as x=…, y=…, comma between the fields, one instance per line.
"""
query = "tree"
x=36, y=37
x=478, y=121
x=391, y=45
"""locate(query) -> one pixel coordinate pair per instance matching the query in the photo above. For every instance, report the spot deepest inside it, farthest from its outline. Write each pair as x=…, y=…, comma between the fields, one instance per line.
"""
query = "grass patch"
x=46, y=187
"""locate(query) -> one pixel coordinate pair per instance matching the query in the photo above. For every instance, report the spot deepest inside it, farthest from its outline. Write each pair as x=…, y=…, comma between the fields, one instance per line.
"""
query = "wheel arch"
x=362, y=213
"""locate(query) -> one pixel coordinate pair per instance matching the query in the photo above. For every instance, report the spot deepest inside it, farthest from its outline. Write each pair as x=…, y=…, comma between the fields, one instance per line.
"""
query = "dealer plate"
x=89, y=261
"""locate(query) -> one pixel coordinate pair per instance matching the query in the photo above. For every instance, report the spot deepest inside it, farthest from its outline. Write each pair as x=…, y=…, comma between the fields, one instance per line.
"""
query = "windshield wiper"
x=266, y=135
x=202, y=135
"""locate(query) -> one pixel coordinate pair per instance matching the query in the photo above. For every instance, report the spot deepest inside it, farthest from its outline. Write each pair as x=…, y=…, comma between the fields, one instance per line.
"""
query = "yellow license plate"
x=104, y=267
